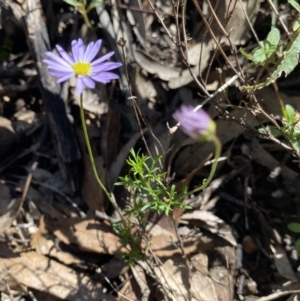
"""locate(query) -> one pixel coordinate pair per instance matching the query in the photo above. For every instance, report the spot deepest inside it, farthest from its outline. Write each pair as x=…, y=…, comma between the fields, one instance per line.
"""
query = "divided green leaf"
x=267, y=48
x=285, y=65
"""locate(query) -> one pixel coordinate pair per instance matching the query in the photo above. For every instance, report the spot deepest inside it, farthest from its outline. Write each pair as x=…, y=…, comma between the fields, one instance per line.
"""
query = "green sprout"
x=84, y=8
x=283, y=54
x=264, y=52
x=146, y=186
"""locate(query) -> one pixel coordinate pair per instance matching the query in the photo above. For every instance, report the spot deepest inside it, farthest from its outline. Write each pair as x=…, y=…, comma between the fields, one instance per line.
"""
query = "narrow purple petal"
x=87, y=51
x=104, y=77
x=81, y=50
x=65, y=55
x=63, y=79
x=57, y=59
x=88, y=82
x=93, y=50
x=75, y=50
x=60, y=73
x=105, y=67
x=103, y=58
x=79, y=85
x=57, y=66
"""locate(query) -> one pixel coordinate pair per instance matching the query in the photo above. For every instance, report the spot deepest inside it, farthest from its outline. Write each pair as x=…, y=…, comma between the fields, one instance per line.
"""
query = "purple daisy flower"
x=196, y=124
x=81, y=65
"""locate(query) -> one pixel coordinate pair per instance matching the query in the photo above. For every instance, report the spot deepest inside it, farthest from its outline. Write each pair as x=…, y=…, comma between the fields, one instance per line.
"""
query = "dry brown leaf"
x=282, y=262
x=140, y=277
x=87, y=234
x=210, y=222
x=43, y=274
x=46, y=209
x=200, y=263
x=45, y=246
x=174, y=277
x=154, y=67
x=165, y=245
x=129, y=291
x=237, y=26
x=222, y=273
x=203, y=287
x=223, y=283
x=9, y=207
x=7, y=281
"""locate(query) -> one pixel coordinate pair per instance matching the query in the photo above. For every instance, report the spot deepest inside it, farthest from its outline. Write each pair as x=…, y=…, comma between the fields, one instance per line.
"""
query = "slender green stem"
x=218, y=149
x=274, y=17
x=86, y=19
x=87, y=141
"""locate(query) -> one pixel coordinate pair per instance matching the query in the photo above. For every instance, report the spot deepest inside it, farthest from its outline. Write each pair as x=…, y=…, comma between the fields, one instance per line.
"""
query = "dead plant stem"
x=215, y=39
x=185, y=61
x=280, y=20
x=138, y=114
x=184, y=257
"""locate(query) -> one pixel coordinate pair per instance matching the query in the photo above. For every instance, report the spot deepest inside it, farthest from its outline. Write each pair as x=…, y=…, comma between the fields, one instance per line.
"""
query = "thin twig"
x=249, y=22
x=180, y=48
x=277, y=295
x=215, y=39
x=280, y=20
x=221, y=89
x=137, y=111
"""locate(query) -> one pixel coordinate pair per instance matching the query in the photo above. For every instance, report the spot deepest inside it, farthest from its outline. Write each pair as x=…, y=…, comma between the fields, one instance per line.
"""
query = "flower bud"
x=196, y=124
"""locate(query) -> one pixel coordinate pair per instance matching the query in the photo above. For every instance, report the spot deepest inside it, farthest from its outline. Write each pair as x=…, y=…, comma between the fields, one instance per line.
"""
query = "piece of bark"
x=38, y=42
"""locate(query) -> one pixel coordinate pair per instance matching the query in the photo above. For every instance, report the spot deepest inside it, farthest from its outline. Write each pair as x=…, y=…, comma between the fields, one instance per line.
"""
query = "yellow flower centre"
x=81, y=68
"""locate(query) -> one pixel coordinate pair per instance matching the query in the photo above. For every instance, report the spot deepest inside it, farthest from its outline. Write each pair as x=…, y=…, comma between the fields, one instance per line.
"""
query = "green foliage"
x=82, y=4
x=270, y=51
x=265, y=50
x=295, y=4
x=294, y=227
x=290, y=128
x=148, y=191
x=84, y=9
x=130, y=242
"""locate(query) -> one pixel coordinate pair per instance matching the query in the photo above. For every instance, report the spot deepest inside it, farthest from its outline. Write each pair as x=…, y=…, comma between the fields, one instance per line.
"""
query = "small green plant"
x=146, y=186
x=283, y=54
x=84, y=8
x=264, y=52
x=130, y=241
x=147, y=193
x=290, y=128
